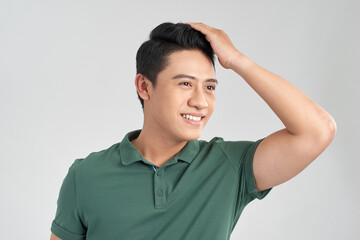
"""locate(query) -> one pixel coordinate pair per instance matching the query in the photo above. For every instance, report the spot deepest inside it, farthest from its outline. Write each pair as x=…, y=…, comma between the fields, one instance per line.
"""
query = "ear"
x=143, y=86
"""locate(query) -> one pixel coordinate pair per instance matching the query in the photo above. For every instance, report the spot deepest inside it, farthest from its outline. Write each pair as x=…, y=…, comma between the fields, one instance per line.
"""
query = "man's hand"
x=220, y=43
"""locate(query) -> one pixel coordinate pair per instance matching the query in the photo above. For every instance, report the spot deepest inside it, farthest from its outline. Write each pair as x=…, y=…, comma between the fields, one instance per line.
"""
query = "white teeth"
x=193, y=118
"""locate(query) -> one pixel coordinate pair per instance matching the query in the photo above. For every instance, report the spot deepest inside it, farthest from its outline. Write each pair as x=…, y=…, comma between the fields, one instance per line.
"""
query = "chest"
x=138, y=202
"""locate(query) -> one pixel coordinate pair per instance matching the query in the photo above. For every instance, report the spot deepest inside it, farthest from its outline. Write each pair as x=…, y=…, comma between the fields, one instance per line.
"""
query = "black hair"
x=166, y=38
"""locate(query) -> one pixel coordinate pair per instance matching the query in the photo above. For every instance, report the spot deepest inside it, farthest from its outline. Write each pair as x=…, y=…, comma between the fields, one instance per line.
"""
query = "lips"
x=195, y=114
x=192, y=118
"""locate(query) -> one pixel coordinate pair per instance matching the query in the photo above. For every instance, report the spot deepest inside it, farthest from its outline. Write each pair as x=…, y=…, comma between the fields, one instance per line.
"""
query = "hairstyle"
x=153, y=55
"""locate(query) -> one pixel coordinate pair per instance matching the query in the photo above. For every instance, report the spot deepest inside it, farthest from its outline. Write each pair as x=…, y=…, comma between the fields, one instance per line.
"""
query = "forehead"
x=191, y=62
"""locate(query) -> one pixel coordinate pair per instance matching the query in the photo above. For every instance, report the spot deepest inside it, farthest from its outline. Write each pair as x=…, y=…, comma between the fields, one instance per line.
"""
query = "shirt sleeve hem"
x=252, y=185
x=65, y=235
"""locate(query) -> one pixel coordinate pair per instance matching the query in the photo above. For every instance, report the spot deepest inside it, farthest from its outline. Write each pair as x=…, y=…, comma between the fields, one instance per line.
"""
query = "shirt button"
x=158, y=173
x=159, y=193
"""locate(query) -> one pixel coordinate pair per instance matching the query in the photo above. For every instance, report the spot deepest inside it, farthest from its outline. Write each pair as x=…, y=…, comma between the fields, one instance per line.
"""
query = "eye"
x=185, y=83
x=212, y=88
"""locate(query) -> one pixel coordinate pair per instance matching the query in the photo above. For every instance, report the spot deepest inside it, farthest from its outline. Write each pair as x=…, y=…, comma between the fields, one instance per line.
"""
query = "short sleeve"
x=67, y=224
x=246, y=168
x=241, y=154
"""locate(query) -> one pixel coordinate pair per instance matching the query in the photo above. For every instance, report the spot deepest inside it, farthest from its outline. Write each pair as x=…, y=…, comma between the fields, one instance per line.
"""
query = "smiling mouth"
x=192, y=118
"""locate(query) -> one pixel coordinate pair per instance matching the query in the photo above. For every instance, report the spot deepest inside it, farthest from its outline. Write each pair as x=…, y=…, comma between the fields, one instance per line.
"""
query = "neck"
x=156, y=146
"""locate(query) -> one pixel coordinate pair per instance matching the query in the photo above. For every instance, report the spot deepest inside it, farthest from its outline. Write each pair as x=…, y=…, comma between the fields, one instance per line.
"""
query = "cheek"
x=211, y=102
x=176, y=98
x=171, y=104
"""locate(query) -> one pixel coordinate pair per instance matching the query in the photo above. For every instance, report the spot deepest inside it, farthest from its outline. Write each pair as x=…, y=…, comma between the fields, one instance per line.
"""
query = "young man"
x=160, y=182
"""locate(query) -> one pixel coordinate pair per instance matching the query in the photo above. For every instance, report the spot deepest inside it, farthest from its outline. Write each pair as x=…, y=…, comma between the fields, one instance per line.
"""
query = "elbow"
x=320, y=137
x=331, y=128
x=327, y=131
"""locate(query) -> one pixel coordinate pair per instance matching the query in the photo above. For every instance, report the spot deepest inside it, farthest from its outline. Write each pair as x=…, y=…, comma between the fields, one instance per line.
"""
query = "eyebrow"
x=194, y=78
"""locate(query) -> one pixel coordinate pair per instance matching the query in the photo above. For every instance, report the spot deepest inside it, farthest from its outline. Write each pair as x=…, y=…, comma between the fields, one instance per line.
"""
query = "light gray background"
x=67, y=89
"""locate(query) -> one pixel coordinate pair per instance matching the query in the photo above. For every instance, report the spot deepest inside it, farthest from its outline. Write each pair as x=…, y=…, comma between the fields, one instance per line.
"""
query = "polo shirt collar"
x=129, y=154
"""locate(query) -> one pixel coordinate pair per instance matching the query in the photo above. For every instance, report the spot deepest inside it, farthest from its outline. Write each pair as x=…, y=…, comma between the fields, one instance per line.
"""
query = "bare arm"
x=309, y=129
x=53, y=237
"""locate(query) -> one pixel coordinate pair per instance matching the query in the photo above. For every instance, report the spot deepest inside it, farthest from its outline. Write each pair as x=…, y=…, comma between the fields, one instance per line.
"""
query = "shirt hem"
x=65, y=235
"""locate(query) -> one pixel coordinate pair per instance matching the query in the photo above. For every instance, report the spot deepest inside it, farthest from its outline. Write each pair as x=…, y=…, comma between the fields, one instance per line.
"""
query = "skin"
x=309, y=129
x=54, y=237
x=165, y=132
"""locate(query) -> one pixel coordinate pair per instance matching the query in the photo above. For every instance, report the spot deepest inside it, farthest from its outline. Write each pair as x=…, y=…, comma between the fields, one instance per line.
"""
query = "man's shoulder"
x=100, y=158
x=226, y=143
x=231, y=148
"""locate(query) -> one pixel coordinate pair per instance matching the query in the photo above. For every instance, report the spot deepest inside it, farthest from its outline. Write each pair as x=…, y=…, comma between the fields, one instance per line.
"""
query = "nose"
x=198, y=99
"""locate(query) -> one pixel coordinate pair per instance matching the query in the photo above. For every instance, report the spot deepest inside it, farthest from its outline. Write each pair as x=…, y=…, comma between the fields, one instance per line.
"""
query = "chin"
x=192, y=136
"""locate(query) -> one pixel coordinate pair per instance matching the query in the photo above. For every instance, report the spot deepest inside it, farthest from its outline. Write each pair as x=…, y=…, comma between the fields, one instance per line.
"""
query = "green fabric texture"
x=199, y=193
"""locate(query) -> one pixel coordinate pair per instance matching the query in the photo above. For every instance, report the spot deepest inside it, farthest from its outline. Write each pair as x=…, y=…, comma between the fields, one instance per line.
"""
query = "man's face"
x=185, y=87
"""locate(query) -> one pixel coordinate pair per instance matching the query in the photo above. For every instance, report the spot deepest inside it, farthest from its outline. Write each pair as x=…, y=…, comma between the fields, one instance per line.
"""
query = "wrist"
x=240, y=63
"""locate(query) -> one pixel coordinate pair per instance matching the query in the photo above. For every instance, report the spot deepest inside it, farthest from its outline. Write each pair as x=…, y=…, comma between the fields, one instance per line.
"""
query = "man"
x=160, y=182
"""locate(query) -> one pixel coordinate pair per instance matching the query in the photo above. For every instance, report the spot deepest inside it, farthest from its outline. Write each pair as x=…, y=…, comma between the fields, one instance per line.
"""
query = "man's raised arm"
x=309, y=129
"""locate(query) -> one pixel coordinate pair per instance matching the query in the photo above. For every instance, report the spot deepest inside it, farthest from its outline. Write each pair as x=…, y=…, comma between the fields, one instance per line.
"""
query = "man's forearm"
x=298, y=112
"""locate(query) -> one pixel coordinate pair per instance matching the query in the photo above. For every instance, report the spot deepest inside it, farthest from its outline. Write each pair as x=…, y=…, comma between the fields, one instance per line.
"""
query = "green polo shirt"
x=197, y=194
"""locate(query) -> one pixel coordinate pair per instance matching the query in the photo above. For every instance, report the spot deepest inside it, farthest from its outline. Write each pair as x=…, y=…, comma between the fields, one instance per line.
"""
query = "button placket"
x=160, y=198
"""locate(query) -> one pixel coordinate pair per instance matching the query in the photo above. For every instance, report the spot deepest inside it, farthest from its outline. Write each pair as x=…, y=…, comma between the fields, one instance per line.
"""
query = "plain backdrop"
x=67, y=71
